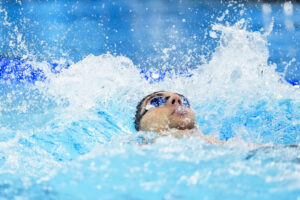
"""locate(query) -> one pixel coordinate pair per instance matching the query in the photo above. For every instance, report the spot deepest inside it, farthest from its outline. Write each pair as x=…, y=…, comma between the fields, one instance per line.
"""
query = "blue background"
x=70, y=30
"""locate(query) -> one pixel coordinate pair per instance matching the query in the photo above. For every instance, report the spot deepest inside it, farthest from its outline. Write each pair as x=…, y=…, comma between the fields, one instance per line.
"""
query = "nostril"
x=173, y=101
x=179, y=102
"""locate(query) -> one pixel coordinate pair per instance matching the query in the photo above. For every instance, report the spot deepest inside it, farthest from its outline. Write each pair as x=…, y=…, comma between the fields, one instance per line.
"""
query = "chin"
x=182, y=126
x=182, y=123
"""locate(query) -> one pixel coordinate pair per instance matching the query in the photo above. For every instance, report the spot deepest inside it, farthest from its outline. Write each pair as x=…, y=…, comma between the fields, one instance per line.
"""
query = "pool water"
x=72, y=73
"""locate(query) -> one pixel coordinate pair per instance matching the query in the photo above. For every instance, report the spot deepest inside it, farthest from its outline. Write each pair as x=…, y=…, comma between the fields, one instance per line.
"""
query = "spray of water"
x=85, y=116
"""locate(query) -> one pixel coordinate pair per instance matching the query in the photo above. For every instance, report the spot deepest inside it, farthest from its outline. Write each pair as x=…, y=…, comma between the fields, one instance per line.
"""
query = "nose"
x=174, y=100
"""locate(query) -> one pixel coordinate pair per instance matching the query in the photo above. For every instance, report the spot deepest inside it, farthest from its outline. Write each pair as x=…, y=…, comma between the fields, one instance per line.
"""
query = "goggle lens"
x=185, y=102
x=158, y=101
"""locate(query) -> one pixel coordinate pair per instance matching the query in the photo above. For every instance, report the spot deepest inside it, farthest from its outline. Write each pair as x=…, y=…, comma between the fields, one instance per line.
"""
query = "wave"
x=77, y=125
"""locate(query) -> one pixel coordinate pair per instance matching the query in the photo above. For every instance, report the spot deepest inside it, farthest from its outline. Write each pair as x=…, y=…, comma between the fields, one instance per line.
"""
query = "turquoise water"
x=66, y=129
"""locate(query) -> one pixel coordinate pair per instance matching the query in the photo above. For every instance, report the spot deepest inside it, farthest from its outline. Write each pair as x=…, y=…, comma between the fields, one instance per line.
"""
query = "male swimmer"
x=168, y=113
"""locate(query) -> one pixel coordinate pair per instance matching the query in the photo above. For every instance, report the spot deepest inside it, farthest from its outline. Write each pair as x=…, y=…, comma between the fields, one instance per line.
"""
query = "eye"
x=156, y=102
x=185, y=102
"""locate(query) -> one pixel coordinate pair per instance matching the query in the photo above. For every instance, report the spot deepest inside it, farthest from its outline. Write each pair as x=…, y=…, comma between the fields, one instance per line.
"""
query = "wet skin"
x=173, y=117
x=173, y=114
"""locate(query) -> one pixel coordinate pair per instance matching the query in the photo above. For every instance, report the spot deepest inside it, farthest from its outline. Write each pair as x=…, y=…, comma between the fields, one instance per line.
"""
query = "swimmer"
x=169, y=113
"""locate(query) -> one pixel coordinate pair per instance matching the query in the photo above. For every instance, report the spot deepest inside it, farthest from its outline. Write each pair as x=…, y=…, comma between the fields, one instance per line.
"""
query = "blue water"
x=72, y=72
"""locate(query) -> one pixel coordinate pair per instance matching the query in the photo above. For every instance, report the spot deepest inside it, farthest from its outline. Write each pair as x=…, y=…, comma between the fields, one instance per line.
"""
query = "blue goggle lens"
x=185, y=102
x=158, y=101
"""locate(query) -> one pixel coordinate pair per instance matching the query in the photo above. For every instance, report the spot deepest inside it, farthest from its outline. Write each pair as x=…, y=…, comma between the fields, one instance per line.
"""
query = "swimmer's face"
x=161, y=111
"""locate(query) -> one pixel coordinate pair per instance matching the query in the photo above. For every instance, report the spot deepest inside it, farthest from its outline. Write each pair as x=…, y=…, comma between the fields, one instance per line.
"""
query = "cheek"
x=158, y=115
x=192, y=115
x=155, y=120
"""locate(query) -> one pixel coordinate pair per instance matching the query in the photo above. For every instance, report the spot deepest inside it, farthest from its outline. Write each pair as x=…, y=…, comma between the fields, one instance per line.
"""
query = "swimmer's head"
x=162, y=110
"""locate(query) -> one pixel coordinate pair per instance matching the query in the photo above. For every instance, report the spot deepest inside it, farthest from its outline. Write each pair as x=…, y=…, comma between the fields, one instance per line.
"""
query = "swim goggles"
x=161, y=101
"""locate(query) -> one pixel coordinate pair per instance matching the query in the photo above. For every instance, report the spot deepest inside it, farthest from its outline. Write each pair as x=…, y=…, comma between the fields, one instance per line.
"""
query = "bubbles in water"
x=288, y=8
x=237, y=78
x=75, y=128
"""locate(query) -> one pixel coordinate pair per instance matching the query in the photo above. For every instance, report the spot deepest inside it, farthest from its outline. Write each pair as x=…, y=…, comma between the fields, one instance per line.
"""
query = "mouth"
x=180, y=110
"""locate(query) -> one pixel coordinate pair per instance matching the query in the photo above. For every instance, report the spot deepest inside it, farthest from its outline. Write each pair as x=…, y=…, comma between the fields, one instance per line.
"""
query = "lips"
x=180, y=110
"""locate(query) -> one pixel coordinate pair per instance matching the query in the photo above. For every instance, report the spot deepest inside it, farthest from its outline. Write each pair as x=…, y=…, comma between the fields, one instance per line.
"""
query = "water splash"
x=84, y=138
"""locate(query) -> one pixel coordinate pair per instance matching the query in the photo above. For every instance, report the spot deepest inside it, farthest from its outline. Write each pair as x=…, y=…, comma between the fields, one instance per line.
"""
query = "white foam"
x=95, y=81
x=267, y=9
x=238, y=71
x=288, y=8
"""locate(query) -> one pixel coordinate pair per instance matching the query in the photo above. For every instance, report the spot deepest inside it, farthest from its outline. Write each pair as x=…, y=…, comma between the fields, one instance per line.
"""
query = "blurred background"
x=72, y=136
x=152, y=33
